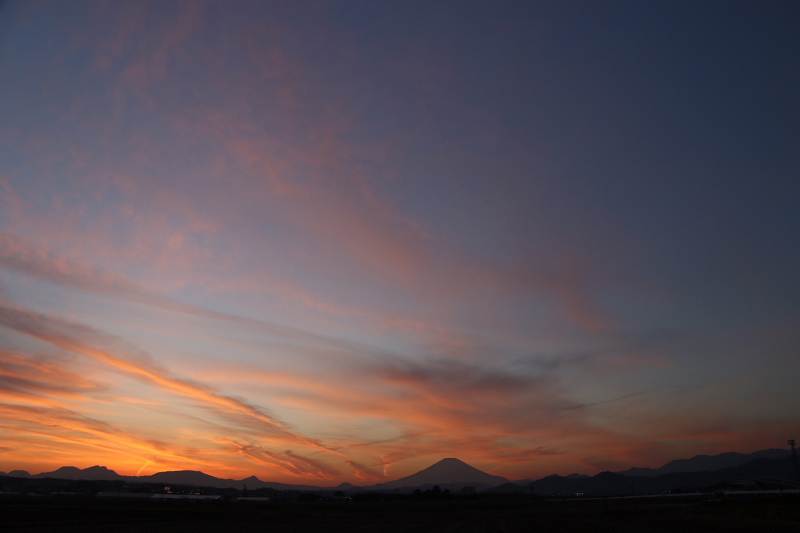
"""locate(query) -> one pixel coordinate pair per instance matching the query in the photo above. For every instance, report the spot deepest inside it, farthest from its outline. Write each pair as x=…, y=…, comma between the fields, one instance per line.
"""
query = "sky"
x=328, y=241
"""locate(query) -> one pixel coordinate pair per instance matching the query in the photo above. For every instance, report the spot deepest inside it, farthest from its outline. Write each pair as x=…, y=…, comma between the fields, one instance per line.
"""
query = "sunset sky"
x=336, y=241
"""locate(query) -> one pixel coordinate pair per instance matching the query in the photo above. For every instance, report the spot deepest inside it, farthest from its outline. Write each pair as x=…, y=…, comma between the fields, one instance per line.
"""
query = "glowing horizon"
x=327, y=242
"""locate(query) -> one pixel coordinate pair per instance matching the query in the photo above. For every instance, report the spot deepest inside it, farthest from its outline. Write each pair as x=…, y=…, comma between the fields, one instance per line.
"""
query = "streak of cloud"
x=69, y=336
x=18, y=255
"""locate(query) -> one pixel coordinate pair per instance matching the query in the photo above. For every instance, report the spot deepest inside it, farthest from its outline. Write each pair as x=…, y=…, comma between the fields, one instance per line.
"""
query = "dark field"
x=87, y=514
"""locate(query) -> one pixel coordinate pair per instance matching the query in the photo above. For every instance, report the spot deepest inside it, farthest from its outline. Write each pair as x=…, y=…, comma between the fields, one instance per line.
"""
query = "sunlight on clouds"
x=262, y=240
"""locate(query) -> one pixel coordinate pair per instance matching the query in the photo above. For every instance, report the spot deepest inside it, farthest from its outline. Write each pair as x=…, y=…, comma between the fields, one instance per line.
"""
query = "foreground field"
x=87, y=515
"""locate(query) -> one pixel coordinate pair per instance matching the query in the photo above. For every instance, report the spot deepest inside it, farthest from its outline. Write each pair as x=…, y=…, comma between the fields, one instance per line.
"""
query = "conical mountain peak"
x=448, y=470
x=452, y=465
x=450, y=461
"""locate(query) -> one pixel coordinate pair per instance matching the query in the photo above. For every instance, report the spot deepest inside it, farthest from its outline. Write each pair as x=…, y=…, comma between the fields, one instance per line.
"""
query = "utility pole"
x=794, y=454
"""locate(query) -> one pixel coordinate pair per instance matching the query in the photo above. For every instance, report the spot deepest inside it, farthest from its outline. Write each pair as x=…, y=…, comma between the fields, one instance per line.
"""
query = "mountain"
x=453, y=474
x=188, y=477
x=201, y=479
x=100, y=473
x=611, y=483
x=65, y=472
x=93, y=473
x=445, y=472
x=707, y=463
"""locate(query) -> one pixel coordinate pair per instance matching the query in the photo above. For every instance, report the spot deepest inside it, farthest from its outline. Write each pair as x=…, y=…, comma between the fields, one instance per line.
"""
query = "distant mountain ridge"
x=177, y=477
x=454, y=474
x=779, y=473
x=707, y=463
x=449, y=473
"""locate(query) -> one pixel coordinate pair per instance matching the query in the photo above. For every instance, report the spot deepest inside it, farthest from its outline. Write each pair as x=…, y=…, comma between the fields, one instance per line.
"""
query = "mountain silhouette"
x=707, y=463
x=186, y=477
x=454, y=474
x=773, y=473
x=93, y=473
x=99, y=473
x=445, y=472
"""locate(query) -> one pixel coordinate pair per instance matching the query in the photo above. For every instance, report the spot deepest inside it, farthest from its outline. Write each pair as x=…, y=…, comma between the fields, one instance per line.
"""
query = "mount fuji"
x=446, y=472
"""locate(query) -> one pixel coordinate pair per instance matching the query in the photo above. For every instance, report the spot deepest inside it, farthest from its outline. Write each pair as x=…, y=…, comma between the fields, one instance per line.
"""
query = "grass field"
x=88, y=514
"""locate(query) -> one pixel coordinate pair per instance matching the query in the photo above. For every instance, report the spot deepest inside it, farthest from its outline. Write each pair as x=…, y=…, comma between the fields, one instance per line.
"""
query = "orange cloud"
x=66, y=335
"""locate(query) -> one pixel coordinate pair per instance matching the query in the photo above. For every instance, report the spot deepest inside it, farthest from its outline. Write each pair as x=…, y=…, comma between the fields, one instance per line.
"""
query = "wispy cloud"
x=42, y=263
x=79, y=339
